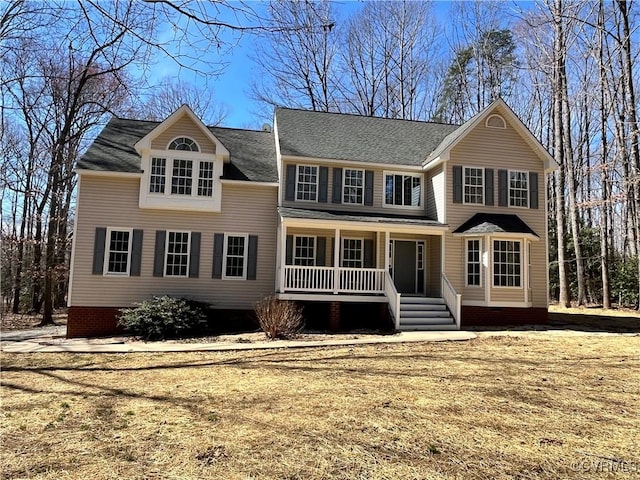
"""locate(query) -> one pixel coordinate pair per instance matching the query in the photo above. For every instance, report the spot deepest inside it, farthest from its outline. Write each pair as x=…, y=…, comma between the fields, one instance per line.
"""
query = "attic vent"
x=496, y=121
x=266, y=128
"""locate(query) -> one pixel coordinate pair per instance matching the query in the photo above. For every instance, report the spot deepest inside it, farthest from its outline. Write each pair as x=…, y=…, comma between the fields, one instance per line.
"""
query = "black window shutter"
x=333, y=251
x=194, y=255
x=323, y=180
x=252, y=260
x=457, y=184
x=321, y=250
x=98, y=250
x=290, y=191
x=533, y=190
x=488, y=186
x=136, y=253
x=503, y=188
x=289, y=251
x=158, y=257
x=337, y=185
x=368, y=253
x=218, y=251
x=368, y=187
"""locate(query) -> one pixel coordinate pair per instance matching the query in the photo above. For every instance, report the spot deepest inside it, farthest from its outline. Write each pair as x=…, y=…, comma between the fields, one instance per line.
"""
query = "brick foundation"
x=334, y=316
x=488, y=316
x=92, y=321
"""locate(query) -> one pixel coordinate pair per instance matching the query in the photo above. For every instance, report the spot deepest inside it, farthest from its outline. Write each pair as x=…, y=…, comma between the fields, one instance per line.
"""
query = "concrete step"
x=417, y=328
x=422, y=306
x=421, y=300
x=426, y=321
x=423, y=313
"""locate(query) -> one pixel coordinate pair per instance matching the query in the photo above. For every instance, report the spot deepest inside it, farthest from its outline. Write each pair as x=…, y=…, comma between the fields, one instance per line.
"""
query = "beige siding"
x=184, y=127
x=435, y=193
x=497, y=149
x=113, y=202
x=378, y=193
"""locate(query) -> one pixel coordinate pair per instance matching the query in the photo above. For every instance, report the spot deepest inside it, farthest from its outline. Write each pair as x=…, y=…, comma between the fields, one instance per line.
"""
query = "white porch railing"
x=308, y=279
x=393, y=298
x=323, y=279
x=366, y=280
x=452, y=299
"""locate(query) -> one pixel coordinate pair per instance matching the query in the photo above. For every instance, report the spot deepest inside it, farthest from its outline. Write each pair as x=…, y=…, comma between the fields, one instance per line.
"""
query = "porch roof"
x=487, y=223
x=337, y=216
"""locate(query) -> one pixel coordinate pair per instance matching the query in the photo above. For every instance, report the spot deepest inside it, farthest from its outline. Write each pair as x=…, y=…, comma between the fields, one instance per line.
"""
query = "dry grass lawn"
x=498, y=407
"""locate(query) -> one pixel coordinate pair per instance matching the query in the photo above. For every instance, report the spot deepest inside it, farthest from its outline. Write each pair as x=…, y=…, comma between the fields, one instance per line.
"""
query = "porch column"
x=386, y=251
x=336, y=262
x=281, y=254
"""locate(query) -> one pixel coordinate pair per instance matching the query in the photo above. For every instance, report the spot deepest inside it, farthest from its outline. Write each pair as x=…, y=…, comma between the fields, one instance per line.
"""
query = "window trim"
x=315, y=250
x=166, y=253
x=361, y=239
x=245, y=256
x=385, y=173
x=295, y=196
x=344, y=186
x=466, y=262
x=464, y=185
x=528, y=191
x=107, y=251
x=196, y=158
x=493, y=263
x=183, y=136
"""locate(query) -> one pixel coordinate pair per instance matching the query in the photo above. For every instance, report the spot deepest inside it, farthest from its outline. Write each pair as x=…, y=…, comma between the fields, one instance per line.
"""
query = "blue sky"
x=232, y=85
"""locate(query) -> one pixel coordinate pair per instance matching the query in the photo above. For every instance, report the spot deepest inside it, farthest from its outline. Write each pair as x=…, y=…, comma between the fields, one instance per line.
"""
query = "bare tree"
x=170, y=94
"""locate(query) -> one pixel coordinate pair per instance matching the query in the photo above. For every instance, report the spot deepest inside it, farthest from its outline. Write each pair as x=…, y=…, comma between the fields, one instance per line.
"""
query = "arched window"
x=185, y=144
x=496, y=121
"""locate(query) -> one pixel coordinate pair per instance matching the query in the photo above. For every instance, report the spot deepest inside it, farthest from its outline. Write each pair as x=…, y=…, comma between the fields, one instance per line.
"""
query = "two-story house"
x=441, y=225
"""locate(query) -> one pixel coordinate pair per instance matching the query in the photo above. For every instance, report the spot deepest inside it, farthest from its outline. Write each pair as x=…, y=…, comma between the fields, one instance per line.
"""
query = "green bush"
x=164, y=317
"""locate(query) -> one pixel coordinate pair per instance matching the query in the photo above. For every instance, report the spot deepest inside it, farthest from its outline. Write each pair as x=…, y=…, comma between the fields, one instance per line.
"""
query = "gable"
x=507, y=121
x=176, y=125
x=184, y=127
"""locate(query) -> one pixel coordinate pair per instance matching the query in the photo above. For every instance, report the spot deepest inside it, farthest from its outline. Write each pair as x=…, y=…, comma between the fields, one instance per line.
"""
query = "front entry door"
x=404, y=266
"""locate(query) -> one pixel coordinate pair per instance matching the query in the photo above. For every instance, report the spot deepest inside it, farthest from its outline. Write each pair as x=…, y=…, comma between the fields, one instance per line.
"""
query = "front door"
x=404, y=266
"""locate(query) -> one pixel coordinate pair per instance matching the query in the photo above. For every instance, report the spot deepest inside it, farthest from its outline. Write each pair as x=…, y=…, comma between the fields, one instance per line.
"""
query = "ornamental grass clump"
x=164, y=317
x=278, y=318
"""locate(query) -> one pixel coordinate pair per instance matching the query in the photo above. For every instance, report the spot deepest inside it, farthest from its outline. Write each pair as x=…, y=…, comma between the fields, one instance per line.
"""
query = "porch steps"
x=424, y=313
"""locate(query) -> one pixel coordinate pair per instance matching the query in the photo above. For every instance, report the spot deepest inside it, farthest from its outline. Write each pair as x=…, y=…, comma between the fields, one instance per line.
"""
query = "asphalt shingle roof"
x=289, y=212
x=483, y=223
x=357, y=138
x=252, y=153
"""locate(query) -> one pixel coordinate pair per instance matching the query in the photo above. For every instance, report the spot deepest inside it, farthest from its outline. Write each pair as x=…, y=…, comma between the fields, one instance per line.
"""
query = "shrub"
x=164, y=317
x=277, y=318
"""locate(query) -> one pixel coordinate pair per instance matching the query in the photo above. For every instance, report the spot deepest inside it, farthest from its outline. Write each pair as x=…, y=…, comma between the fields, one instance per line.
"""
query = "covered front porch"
x=326, y=256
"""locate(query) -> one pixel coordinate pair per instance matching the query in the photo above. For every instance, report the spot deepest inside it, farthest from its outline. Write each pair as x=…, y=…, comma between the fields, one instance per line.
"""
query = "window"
x=352, y=252
x=473, y=185
x=184, y=144
x=158, y=175
x=118, y=252
x=402, y=190
x=182, y=177
x=235, y=256
x=205, y=179
x=177, y=256
x=506, y=263
x=353, y=186
x=473, y=263
x=518, y=189
x=304, y=253
x=307, y=183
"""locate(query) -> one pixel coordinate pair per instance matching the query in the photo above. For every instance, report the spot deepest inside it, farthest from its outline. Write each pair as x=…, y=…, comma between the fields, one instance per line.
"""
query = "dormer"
x=181, y=163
